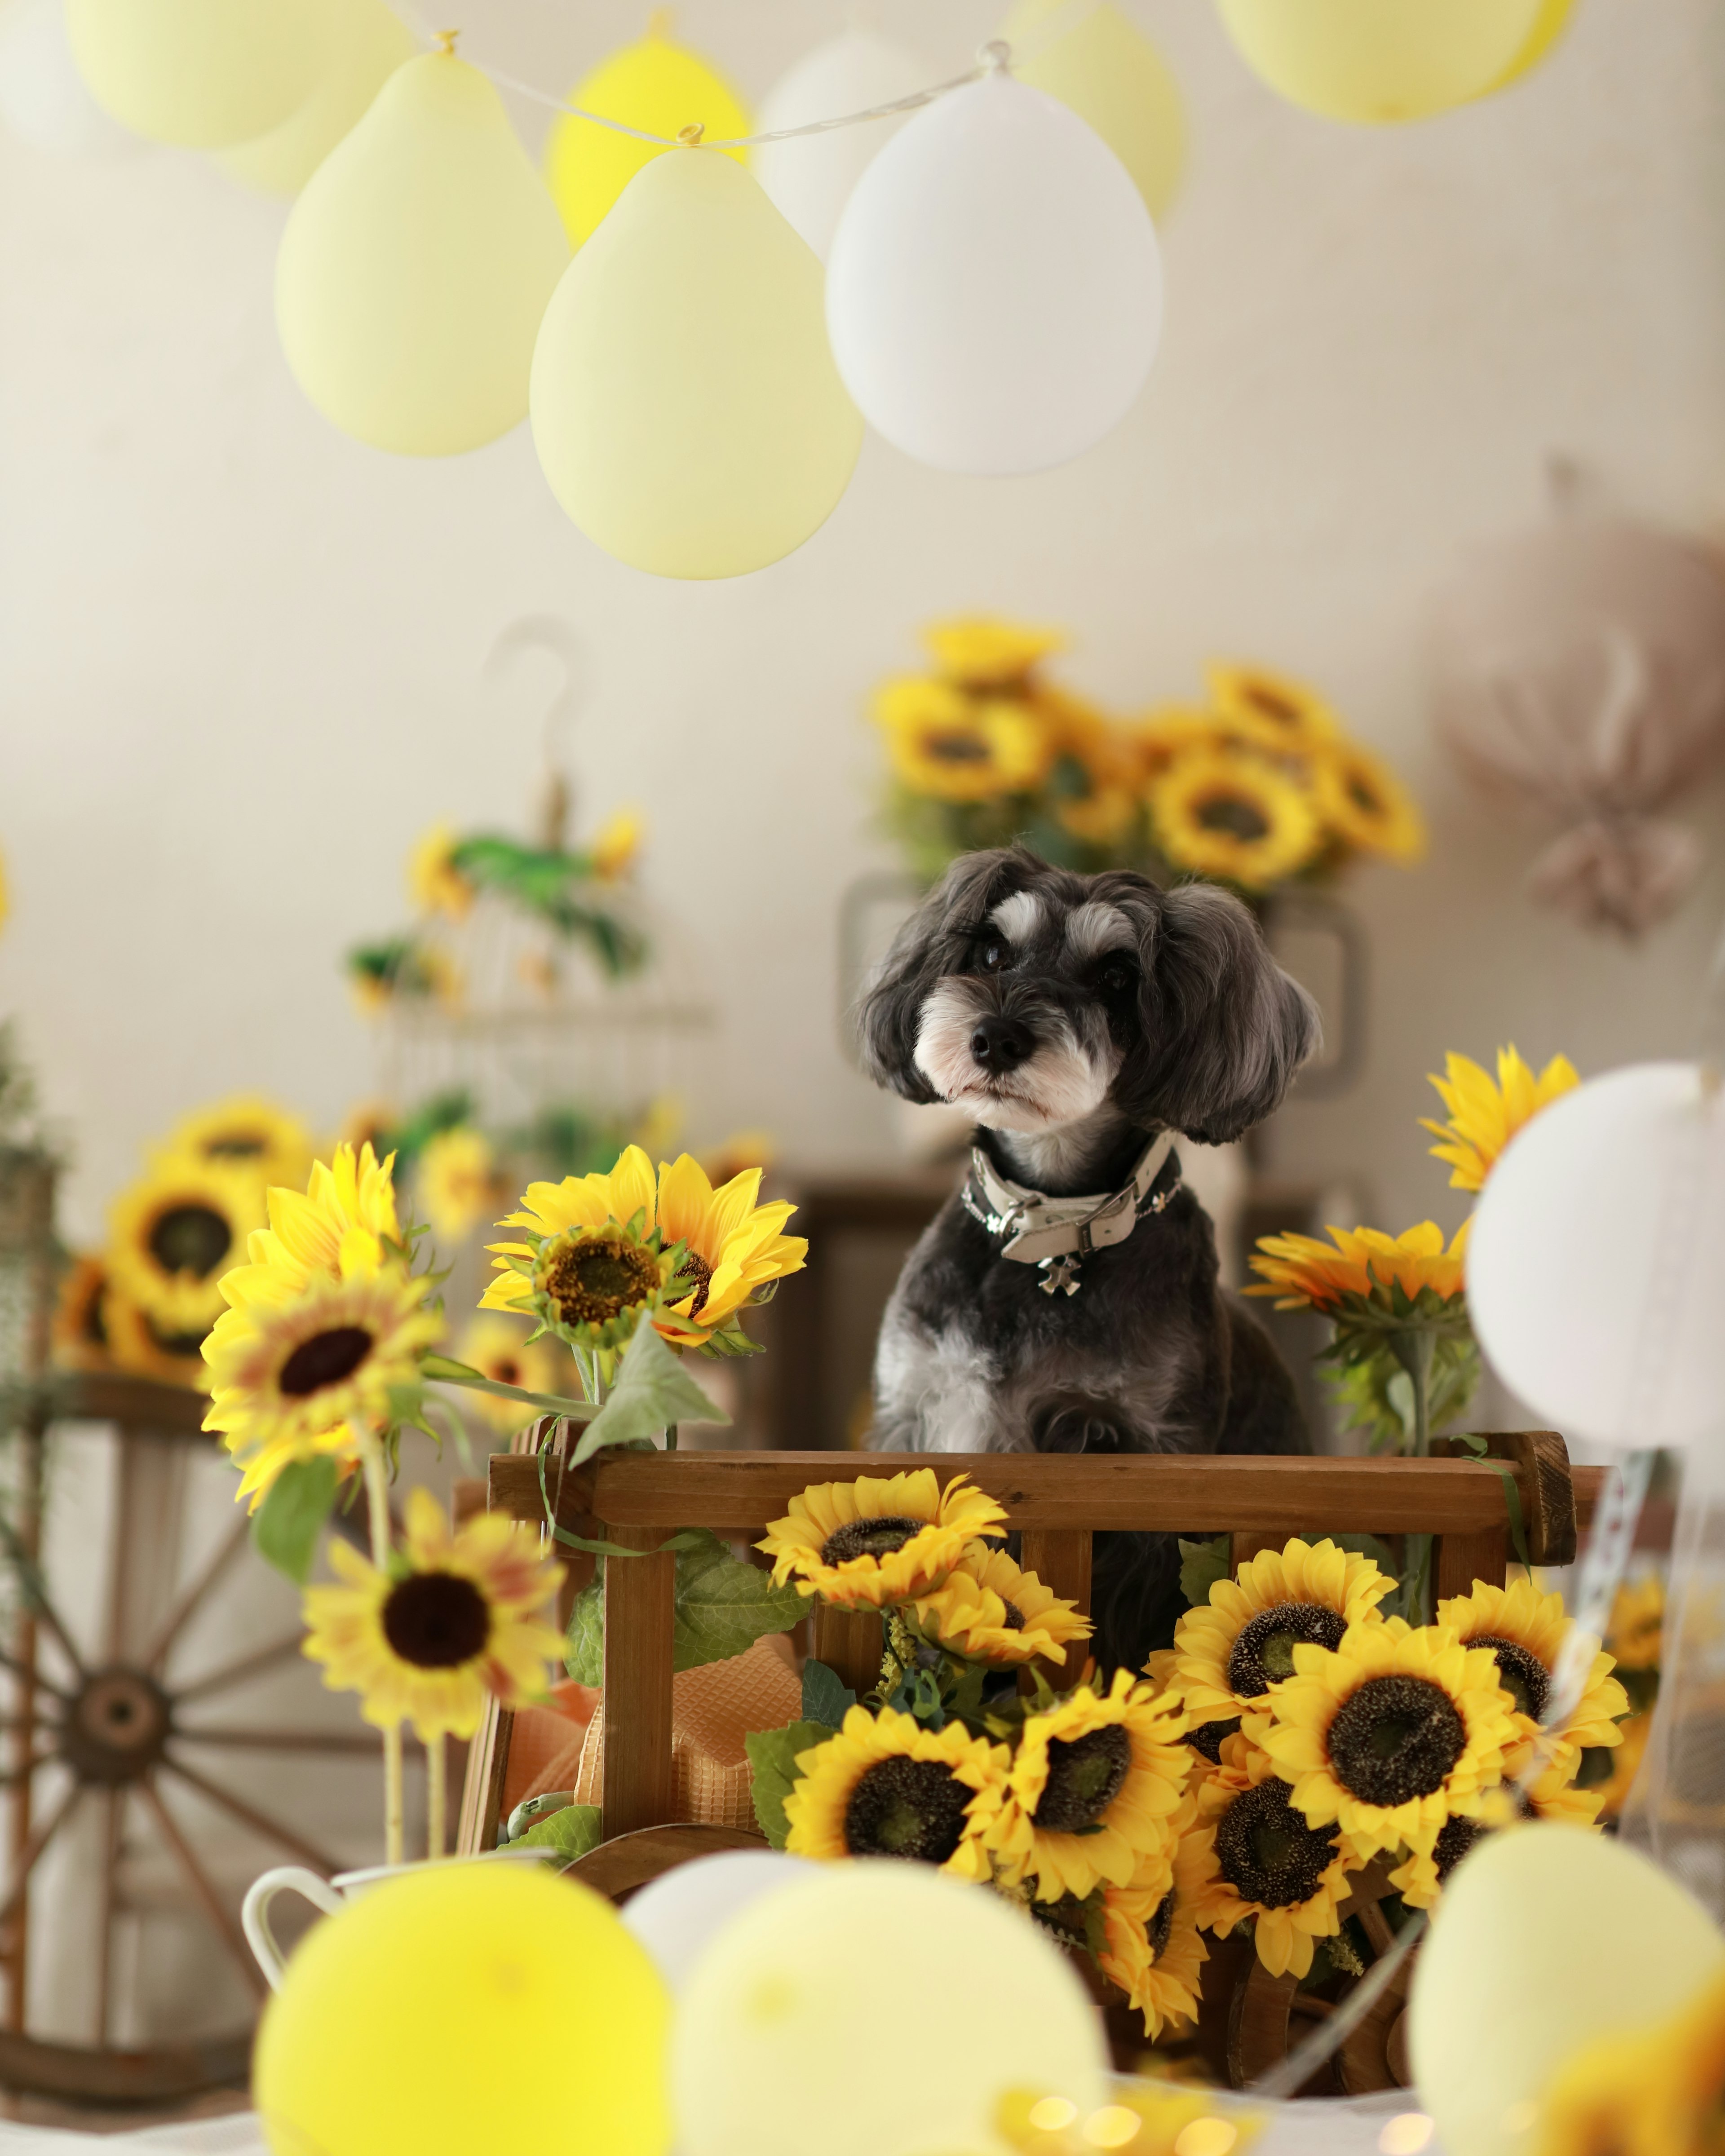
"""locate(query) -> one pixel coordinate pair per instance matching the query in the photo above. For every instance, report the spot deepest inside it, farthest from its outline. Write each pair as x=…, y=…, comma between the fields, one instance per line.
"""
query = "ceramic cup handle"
x=255, y=1914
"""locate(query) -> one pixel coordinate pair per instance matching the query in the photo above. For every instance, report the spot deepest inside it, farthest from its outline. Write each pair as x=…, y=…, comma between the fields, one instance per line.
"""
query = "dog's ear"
x=934, y=941
x=1225, y=1029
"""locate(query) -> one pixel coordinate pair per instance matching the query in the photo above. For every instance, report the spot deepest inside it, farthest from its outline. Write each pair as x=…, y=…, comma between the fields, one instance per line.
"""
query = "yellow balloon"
x=462, y=2009
x=1113, y=76
x=199, y=72
x=415, y=267
x=369, y=41
x=1546, y=1937
x=685, y=405
x=655, y=84
x=1550, y=25
x=1379, y=60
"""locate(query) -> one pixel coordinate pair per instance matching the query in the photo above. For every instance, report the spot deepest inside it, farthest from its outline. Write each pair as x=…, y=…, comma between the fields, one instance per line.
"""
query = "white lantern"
x=677, y=1915
x=994, y=289
x=42, y=97
x=1595, y=1267
x=810, y=179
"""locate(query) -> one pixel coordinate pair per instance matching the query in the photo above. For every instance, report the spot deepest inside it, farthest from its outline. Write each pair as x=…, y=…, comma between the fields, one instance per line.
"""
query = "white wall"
x=241, y=653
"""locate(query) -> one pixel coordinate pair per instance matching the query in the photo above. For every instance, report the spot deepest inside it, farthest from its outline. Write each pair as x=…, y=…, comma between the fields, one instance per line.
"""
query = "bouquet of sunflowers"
x=1292, y=1737
x=1259, y=786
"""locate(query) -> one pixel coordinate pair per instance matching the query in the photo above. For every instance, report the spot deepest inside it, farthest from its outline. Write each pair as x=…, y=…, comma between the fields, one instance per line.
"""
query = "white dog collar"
x=1058, y=1234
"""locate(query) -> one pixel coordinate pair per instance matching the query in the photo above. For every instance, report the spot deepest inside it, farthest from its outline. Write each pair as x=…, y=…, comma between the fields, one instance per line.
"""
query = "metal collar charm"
x=1058, y=1234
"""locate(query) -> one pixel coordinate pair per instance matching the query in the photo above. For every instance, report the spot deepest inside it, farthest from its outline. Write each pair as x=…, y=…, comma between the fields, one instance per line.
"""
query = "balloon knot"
x=446, y=42
x=995, y=57
x=689, y=136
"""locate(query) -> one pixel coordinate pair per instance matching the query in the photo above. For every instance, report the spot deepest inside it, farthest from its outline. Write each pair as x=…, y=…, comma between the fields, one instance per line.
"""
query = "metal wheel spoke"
x=113, y=1828
x=29, y=1675
x=36, y=1597
x=203, y=1887
x=260, y=1823
x=333, y=1742
x=234, y=1673
x=31, y=1855
x=197, y=1594
x=21, y=1773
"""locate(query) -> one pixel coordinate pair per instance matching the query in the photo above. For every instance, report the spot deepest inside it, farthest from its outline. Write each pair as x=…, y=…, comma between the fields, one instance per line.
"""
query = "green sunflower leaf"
x=573, y=1831
x=772, y=1761
x=721, y=1606
x=653, y=1391
x=584, y=1655
x=291, y=1518
x=826, y=1696
x=1202, y=1564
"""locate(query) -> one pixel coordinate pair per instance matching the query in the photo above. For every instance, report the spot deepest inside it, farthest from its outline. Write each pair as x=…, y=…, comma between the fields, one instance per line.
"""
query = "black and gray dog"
x=1066, y=1299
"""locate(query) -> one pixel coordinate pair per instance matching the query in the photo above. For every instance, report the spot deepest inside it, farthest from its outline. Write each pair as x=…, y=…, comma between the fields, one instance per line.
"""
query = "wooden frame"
x=1056, y=1503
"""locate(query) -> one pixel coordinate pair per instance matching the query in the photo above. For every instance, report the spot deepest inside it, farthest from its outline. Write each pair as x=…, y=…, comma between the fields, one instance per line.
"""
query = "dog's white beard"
x=1057, y=1084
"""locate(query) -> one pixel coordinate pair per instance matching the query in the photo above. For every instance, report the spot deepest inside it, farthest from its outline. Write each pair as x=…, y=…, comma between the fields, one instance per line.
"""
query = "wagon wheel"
x=1269, y=2014
x=122, y=1733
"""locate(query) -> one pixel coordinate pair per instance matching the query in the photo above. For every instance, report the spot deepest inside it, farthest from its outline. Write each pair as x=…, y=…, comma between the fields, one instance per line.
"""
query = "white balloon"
x=1595, y=1266
x=810, y=179
x=994, y=289
x=677, y=1915
x=42, y=97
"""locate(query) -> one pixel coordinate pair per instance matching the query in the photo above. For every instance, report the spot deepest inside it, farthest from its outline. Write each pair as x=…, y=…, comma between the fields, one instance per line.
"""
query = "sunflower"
x=262, y=1464
x=1228, y=1651
x=950, y=747
x=289, y=1359
x=1263, y=1861
x=1635, y=1632
x=1526, y=1630
x=625, y=1197
x=1094, y=1785
x=434, y=883
x=1295, y=717
x=1390, y=1734
x=1655, y=2092
x=992, y=1611
x=342, y=1221
x=139, y=1344
x=1363, y=802
x=731, y=1248
x=81, y=1330
x=247, y=1131
x=886, y=1786
x=1365, y=1264
x=1151, y=1948
x=454, y=1619
x=1154, y=741
x=498, y=1349
x=457, y=1181
x=616, y=843
x=982, y=652
x=878, y=1540
x=1483, y=1116
x=1228, y=816
x=173, y=1235
x=1421, y=1877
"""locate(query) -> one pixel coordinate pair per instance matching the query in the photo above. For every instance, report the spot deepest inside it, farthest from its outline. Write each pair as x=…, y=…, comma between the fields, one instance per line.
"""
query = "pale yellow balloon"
x=1111, y=75
x=416, y=266
x=1550, y=24
x=1545, y=1939
x=685, y=405
x=199, y=72
x=657, y=84
x=369, y=41
x=1378, y=60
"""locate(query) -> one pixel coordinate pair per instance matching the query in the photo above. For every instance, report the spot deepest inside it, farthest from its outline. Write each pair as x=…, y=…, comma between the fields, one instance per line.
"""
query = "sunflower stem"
x=436, y=1797
x=377, y=1475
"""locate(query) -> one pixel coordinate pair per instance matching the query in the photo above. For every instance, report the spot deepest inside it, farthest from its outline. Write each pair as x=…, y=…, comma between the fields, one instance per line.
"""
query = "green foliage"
x=721, y=1606
x=653, y=1391
x=1376, y=1395
x=773, y=1761
x=291, y=1518
x=826, y=1697
x=572, y=1832
x=1202, y=1564
x=558, y=887
x=584, y=1655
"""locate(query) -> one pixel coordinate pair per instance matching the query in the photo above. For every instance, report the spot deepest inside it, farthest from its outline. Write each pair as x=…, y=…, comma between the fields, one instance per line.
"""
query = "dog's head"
x=1029, y=996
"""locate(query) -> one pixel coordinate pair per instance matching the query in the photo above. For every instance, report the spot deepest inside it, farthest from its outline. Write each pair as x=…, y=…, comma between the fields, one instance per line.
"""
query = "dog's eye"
x=990, y=954
x=1117, y=975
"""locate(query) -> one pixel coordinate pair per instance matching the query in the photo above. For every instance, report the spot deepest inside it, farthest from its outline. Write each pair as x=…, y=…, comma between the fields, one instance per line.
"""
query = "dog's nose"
x=1001, y=1044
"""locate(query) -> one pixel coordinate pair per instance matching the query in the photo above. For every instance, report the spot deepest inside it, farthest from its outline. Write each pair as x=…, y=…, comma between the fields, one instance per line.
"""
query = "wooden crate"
x=638, y=1499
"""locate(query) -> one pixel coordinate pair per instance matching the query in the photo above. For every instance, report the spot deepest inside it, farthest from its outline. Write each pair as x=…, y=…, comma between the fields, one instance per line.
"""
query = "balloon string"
x=995, y=59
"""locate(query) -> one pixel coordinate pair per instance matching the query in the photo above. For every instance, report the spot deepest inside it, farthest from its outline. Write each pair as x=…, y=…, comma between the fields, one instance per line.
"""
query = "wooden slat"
x=1060, y=1558
x=850, y=1641
x=1243, y=1548
x=737, y=1491
x=637, y=1707
x=1461, y=1559
x=482, y=1785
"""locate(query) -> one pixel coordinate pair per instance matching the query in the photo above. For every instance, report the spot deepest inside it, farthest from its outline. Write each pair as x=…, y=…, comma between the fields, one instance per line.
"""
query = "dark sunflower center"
x=325, y=1359
x=190, y=1239
x=910, y=1808
x=1013, y=1619
x=694, y=1272
x=1395, y=1738
x=869, y=1539
x=1268, y=1853
x=1085, y=1775
x=1207, y=1739
x=436, y=1620
x=1160, y=1929
x=597, y=1278
x=507, y=1370
x=956, y=747
x=1455, y=1837
x=185, y=1344
x=1064, y=1918
x=92, y=1320
x=1263, y=1653
x=1520, y=1673
x=1235, y=814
